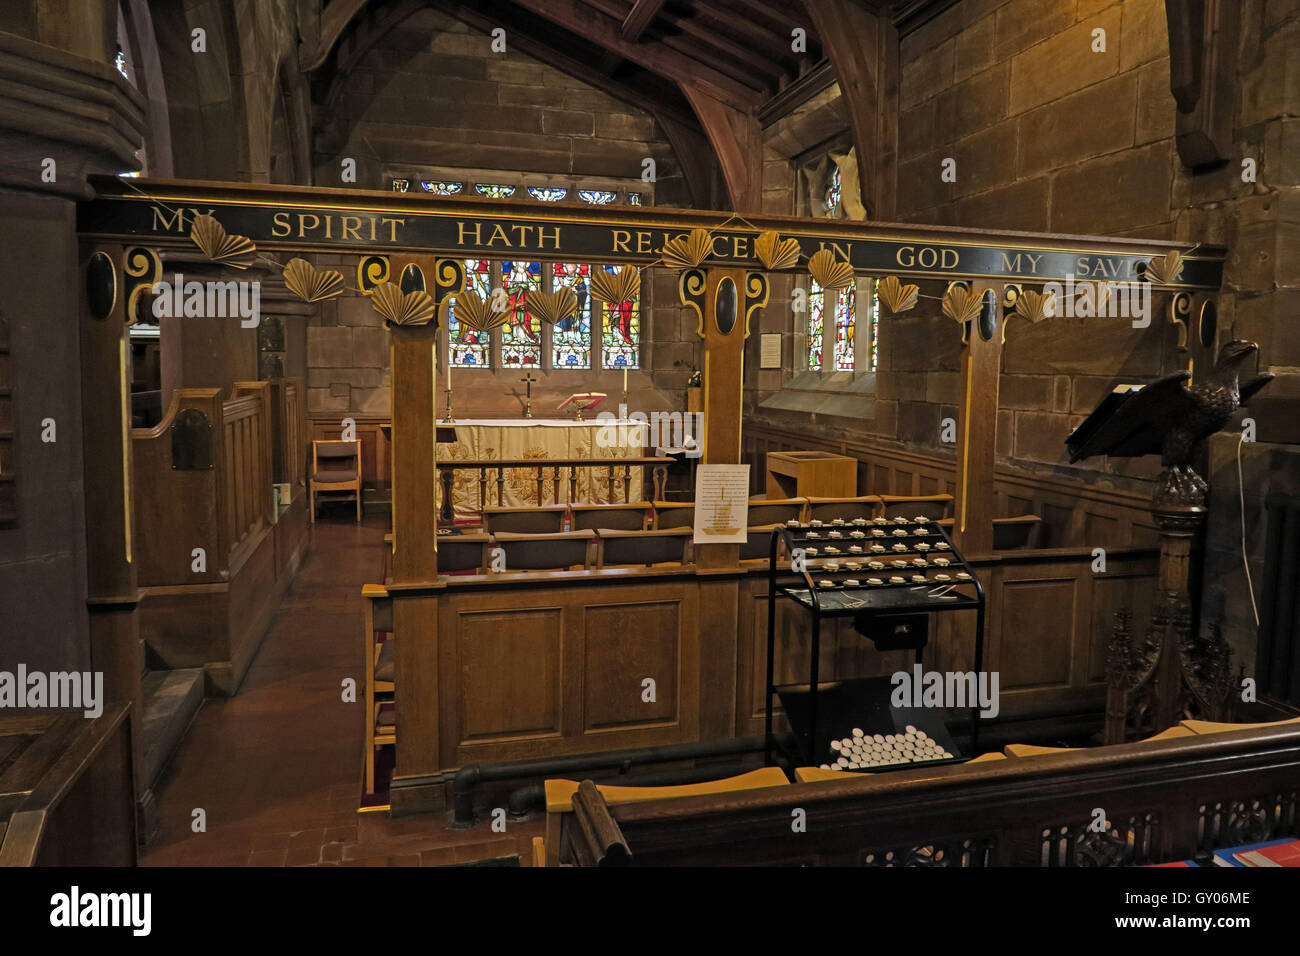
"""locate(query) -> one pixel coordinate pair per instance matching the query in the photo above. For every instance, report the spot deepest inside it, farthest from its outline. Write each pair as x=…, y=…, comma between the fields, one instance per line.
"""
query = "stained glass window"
x=634, y=199
x=494, y=192
x=844, y=330
x=467, y=347
x=440, y=188
x=620, y=332
x=521, y=336
x=844, y=318
x=597, y=197
x=401, y=185
x=874, y=330
x=834, y=193
x=119, y=61
x=547, y=193
x=571, y=339
x=816, y=305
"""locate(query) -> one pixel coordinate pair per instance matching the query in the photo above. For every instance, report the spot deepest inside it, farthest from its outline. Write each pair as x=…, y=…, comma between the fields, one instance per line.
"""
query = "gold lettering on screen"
x=311, y=226
x=927, y=257
x=1023, y=262
x=526, y=236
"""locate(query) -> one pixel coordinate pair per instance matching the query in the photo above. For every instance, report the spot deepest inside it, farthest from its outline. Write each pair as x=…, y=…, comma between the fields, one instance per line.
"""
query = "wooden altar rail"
x=1165, y=800
x=447, y=468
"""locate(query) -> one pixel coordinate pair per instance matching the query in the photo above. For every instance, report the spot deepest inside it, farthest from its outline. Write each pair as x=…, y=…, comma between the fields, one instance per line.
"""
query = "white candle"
x=625, y=379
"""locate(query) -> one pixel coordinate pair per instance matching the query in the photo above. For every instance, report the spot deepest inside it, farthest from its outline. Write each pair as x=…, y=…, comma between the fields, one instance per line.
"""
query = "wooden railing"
x=616, y=470
x=246, y=423
x=289, y=434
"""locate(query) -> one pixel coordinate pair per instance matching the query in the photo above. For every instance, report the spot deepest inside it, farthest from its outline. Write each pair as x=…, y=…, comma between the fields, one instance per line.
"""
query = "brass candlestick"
x=448, y=420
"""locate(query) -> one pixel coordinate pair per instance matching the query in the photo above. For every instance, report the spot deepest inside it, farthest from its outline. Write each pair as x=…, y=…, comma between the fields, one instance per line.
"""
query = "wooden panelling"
x=623, y=646
x=1028, y=657
x=509, y=674
x=1074, y=514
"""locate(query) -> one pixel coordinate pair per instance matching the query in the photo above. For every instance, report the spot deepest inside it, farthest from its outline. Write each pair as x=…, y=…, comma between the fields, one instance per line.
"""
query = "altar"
x=549, y=442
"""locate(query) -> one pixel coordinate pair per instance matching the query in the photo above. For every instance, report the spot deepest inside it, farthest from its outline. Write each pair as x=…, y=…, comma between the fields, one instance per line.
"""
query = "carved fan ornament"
x=412, y=308
x=895, y=296
x=616, y=287
x=477, y=313
x=1163, y=270
x=552, y=307
x=961, y=304
x=1035, y=306
x=829, y=272
x=687, y=252
x=774, y=252
x=311, y=284
x=220, y=246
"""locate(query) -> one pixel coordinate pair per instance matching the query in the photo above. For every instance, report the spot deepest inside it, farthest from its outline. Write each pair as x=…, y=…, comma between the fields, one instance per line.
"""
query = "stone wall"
x=433, y=95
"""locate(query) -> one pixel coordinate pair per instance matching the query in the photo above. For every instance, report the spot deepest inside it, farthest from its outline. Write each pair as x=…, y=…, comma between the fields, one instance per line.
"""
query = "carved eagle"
x=1169, y=417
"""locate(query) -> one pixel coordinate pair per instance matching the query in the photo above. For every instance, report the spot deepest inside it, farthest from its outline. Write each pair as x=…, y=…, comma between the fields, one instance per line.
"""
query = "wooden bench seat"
x=1165, y=799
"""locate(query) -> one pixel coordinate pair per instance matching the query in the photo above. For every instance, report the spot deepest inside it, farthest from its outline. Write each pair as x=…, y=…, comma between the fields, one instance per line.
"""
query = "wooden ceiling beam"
x=638, y=18
x=658, y=57
x=775, y=45
x=705, y=46
x=694, y=155
x=646, y=91
x=858, y=50
x=738, y=143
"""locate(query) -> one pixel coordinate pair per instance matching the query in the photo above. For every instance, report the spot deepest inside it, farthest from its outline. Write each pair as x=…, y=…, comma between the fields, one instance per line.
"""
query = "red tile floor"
x=277, y=768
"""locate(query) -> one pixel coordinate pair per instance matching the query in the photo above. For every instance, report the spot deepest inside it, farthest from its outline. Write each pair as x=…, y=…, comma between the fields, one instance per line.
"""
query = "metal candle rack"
x=824, y=593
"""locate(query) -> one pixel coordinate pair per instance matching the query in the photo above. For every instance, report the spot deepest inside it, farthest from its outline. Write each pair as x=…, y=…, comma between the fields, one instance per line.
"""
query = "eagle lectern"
x=1174, y=674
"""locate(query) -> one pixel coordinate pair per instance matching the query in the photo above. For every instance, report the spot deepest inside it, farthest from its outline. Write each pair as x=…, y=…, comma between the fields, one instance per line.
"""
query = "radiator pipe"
x=468, y=778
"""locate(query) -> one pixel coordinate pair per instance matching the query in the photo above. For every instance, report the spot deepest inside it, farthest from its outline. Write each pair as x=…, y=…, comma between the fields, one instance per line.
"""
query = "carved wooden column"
x=723, y=300
x=411, y=304
x=977, y=421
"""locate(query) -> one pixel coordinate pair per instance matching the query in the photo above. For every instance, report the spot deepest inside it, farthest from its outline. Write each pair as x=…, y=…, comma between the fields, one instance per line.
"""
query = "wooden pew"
x=214, y=549
x=1165, y=800
x=66, y=789
x=562, y=803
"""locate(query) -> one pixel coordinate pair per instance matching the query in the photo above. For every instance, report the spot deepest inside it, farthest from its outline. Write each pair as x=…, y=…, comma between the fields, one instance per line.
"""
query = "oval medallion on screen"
x=1209, y=324
x=988, y=320
x=412, y=279
x=101, y=285
x=725, y=306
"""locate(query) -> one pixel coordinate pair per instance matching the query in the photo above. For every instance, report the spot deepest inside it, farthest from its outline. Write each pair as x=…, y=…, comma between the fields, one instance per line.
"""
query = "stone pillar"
x=68, y=542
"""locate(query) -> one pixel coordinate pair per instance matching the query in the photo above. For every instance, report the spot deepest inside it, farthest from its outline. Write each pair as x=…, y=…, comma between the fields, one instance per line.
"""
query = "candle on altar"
x=625, y=379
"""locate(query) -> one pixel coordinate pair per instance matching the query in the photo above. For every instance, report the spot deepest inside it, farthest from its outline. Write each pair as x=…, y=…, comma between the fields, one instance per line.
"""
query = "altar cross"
x=528, y=401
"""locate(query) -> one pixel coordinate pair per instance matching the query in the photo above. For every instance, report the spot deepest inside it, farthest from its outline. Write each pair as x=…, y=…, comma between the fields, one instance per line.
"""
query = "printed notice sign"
x=721, y=504
x=769, y=354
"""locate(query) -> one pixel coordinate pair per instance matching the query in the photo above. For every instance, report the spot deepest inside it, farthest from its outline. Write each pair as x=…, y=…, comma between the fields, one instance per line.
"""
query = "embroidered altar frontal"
x=543, y=440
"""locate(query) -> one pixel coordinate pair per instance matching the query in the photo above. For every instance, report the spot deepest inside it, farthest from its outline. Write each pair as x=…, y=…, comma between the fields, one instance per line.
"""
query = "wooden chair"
x=462, y=553
x=547, y=552
x=827, y=509
x=631, y=517
x=1010, y=534
x=546, y=519
x=674, y=514
x=335, y=466
x=667, y=546
x=769, y=511
x=909, y=506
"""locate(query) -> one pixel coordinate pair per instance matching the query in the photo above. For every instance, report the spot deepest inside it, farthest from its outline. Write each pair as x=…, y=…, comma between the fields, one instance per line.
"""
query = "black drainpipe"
x=467, y=778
